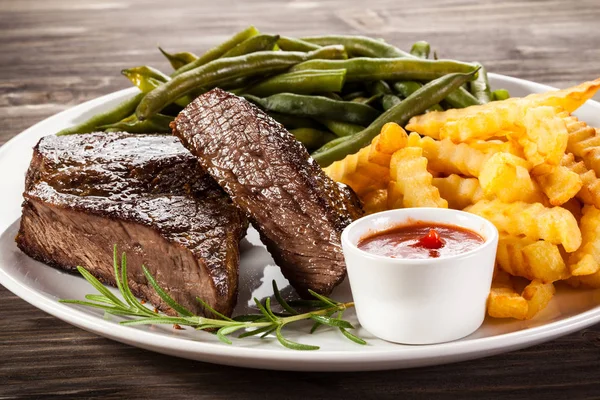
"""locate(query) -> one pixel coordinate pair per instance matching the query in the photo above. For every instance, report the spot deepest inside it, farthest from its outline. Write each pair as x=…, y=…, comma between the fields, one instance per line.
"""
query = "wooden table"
x=58, y=53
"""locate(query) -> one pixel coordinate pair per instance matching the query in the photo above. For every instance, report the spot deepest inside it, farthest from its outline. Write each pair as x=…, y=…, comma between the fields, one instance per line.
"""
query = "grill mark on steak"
x=148, y=195
x=298, y=210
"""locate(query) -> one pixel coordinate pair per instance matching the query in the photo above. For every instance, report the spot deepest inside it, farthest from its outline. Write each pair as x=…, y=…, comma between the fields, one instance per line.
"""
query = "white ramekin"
x=420, y=301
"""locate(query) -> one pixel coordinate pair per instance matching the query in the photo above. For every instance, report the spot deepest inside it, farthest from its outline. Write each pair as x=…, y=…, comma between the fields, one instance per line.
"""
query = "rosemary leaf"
x=157, y=320
x=336, y=323
x=212, y=310
x=352, y=337
x=181, y=310
x=324, y=299
x=264, y=310
x=281, y=300
x=256, y=331
x=290, y=344
x=250, y=318
x=99, y=286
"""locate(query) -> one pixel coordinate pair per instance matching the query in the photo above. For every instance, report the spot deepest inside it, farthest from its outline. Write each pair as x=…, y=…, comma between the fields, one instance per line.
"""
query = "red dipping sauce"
x=421, y=240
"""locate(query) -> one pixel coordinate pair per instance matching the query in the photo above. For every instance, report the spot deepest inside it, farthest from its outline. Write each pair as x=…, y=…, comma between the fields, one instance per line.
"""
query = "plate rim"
x=279, y=358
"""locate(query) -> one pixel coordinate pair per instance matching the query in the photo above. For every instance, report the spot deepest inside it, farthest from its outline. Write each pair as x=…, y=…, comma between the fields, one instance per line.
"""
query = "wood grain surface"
x=58, y=53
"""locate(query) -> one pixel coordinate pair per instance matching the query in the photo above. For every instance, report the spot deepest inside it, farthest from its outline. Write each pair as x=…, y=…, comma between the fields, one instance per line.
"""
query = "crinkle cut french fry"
x=583, y=142
x=391, y=139
x=506, y=177
x=504, y=301
x=356, y=171
x=497, y=146
x=546, y=136
x=558, y=182
x=586, y=260
x=531, y=259
x=485, y=124
x=374, y=201
x=534, y=221
x=590, y=184
x=574, y=207
x=569, y=99
x=538, y=295
x=408, y=169
x=460, y=192
x=448, y=157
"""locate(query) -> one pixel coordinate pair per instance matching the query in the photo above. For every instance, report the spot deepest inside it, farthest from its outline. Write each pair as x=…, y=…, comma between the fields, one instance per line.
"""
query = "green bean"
x=293, y=44
x=252, y=45
x=394, y=69
x=500, y=94
x=226, y=70
x=360, y=46
x=330, y=145
x=388, y=101
x=332, y=95
x=430, y=94
x=354, y=95
x=293, y=121
x=301, y=82
x=218, y=51
x=158, y=123
x=115, y=114
x=318, y=107
x=420, y=49
x=406, y=88
x=367, y=100
x=148, y=78
x=178, y=60
x=461, y=98
x=342, y=128
x=480, y=87
x=379, y=87
x=311, y=138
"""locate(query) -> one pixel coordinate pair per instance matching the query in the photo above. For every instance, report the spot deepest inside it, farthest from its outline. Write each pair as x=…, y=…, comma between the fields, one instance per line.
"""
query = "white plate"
x=42, y=286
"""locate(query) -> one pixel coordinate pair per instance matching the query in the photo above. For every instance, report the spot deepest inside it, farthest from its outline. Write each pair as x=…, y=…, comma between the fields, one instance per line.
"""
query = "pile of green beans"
x=334, y=92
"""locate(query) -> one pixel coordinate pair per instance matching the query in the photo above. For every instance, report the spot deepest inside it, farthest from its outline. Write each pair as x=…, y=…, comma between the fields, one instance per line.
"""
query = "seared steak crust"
x=148, y=195
x=297, y=209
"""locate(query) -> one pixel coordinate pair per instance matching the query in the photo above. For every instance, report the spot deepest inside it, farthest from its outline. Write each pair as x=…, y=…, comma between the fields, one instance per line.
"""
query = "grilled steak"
x=148, y=195
x=297, y=209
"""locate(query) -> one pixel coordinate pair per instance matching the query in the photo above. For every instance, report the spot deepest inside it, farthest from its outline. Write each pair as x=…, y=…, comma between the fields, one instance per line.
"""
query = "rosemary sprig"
x=321, y=310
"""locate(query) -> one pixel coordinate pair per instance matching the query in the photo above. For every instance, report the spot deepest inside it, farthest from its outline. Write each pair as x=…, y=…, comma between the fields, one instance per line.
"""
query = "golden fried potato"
x=583, y=142
x=485, y=124
x=569, y=99
x=460, y=192
x=538, y=295
x=534, y=221
x=574, y=207
x=356, y=171
x=408, y=169
x=448, y=157
x=506, y=177
x=590, y=184
x=395, y=196
x=497, y=146
x=531, y=259
x=558, y=182
x=504, y=301
x=545, y=138
x=391, y=138
x=586, y=260
x=375, y=201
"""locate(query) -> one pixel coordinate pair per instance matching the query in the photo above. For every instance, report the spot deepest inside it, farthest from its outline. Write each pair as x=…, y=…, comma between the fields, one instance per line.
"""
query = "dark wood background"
x=58, y=53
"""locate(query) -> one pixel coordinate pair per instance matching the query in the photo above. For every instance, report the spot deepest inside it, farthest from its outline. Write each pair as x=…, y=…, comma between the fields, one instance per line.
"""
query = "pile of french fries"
x=526, y=164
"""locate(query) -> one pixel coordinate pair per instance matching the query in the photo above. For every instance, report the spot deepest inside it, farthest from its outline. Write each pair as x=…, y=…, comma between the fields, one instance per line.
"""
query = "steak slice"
x=298, y=211
x=148, y=195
